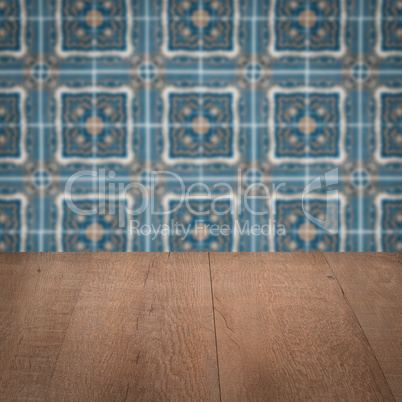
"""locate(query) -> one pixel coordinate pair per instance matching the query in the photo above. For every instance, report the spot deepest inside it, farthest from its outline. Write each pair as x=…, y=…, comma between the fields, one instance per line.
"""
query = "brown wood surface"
x=143, y=329
x=372, y=283
x=37, y=297
x=285, y=332
x=138, y=326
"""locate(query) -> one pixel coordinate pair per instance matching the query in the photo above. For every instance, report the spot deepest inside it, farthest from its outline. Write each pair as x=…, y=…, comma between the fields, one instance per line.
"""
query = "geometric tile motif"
x=201, y=124
x=102, y=29
x=307, y=122
x=390, y=123
x=390, y=37
x=99, y=232
x=12, y=224
x=391, y=224
x=12, y=24
x=315, y=26
x=94, y=124
x=12, y=125
x=300, y=232
x=211, y=29
x=283, y=90
x=202, y=224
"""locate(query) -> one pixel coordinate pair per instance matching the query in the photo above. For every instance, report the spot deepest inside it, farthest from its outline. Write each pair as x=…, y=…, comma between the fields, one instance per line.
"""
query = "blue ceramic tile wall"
x=278, y=92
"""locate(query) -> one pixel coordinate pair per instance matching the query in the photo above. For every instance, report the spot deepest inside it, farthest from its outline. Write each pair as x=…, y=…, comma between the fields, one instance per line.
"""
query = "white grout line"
x=240, y=17
x=360, y=128
x=122, y=231
x=189, y=125
x=224, y=72
x=41, y=129
x=148, y=132
x=307, y=114
x=215, y=178
x=94, y=114
x=254, y=156
x=200, y=107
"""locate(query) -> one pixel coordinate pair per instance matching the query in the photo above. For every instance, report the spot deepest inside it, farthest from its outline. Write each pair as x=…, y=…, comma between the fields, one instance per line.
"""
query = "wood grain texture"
x=372, y=283
x=137, y=326
x=285, y=332
x=142, y=330
x=37, y=297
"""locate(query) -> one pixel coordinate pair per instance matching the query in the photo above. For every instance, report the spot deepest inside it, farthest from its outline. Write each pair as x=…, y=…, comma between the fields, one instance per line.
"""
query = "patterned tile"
x=206, y=231
x=316, y=26
x=94, y=27
x=80, y=232
x=209, y=28
x=12, y=27
x=389, y=123
x=310, y=121
x=200, y=124
x=390, y=221
x=94, y=124
x=302, y=234
x=12, y=121
x=262, y=101
x=12, y=223
x=390, y=35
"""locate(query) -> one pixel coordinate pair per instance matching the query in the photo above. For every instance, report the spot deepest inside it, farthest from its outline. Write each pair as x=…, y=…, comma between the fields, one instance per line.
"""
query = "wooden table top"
x=200, y=326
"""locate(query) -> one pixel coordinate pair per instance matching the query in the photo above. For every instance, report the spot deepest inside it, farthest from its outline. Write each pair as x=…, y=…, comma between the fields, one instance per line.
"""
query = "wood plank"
x=285, y=331
x=372, y=283
x=37, y=297
x=142, y=330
